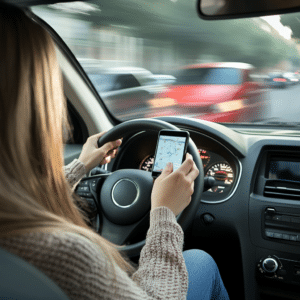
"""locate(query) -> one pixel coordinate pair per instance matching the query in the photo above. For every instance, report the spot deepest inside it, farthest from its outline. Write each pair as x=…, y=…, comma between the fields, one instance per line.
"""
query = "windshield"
x=150, y=58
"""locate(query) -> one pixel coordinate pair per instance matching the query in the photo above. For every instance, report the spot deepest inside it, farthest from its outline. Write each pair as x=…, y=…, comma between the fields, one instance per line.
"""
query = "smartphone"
x=171, y=147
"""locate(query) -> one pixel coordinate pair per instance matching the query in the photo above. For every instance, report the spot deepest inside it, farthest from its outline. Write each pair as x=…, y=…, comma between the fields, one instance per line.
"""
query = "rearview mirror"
x=232, y=9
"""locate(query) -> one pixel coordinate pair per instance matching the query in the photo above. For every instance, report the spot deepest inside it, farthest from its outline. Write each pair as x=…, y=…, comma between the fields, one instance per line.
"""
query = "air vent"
x=282, y=189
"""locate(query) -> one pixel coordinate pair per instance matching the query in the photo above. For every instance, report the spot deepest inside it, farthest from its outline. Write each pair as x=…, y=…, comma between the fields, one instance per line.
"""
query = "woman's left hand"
x=91, y=156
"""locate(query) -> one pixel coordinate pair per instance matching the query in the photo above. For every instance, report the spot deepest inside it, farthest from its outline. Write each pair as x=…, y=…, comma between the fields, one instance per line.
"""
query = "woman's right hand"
x=174, y=189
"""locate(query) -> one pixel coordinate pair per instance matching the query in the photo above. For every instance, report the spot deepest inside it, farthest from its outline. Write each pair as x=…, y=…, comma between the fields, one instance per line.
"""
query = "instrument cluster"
x=214, y=165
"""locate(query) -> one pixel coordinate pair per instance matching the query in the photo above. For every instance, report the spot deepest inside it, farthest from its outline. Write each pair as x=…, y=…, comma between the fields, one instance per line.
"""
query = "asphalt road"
x=285, y=104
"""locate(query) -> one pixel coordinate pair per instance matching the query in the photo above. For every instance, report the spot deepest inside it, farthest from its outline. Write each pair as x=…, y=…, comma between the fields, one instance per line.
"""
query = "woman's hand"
x=91, y=156
x=174, y=189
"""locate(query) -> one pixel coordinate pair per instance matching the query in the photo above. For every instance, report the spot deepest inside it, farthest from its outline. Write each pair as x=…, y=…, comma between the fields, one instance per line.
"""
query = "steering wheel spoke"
x=125, y=234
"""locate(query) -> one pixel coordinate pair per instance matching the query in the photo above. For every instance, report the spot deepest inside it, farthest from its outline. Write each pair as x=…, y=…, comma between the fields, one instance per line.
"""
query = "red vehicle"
x=218, y=92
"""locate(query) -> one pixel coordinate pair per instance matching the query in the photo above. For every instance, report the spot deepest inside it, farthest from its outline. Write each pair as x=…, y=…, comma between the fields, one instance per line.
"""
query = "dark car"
x=277, y=80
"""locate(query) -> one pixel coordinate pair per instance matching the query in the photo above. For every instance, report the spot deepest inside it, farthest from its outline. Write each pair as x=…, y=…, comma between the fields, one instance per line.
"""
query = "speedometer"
x=223, y=174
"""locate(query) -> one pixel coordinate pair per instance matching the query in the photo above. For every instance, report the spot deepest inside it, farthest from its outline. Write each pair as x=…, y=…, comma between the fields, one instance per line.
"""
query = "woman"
x=39, y=220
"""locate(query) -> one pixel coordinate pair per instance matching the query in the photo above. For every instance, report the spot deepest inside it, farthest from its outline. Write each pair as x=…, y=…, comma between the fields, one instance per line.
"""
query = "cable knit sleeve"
x=74, y=172
x=80, y=268
x=162, y=272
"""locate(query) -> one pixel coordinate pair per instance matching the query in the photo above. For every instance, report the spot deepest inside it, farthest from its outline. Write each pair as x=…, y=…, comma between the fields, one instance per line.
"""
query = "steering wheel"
x=124, y=196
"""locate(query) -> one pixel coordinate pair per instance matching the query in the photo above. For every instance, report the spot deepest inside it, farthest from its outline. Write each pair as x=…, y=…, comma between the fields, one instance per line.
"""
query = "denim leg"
x=205, y=282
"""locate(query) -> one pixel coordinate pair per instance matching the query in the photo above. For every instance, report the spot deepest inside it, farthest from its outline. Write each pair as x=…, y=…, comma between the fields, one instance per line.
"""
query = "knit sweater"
x=80, y=268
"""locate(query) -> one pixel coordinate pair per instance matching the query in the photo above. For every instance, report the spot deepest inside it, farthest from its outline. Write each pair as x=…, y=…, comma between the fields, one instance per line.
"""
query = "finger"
x=112, y=153
x=167, y=170
x=110, y=146
x=115, y=151
x=188, y=156
x=187, y=164
x=193, y=183
x=194, y=173
x=105, y=160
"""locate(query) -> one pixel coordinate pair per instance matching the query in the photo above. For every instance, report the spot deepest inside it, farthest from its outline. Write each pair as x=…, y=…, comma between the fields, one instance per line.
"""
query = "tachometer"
x=223, y=175
x=147, y=163
x=205, y=157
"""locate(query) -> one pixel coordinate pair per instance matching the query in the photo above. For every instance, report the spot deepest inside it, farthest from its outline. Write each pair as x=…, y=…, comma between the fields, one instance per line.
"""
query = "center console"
x=274, y=216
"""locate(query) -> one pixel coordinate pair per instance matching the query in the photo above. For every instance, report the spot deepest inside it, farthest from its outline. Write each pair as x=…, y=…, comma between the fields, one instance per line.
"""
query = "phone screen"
x=170, y=148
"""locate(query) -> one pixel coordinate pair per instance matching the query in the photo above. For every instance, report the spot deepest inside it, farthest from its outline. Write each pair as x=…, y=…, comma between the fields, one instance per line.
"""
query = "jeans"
x=205, y=282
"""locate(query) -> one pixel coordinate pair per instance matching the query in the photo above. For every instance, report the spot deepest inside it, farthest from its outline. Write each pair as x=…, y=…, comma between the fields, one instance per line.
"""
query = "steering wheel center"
x=125, y=193
x=126, y=196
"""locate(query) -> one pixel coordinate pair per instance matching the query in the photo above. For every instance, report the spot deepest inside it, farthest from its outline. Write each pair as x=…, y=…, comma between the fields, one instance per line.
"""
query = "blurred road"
x=285, y=103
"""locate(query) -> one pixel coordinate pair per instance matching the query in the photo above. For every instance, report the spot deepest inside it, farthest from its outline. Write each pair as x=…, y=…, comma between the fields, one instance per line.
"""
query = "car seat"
x=19, y=280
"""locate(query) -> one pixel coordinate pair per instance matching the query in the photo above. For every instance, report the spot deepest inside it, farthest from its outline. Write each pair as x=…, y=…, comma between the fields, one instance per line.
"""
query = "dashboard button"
x=94, y=183
x=278, y=235
x=270, y=265
x=286, y=237
x=269, y=233
x=83, y=189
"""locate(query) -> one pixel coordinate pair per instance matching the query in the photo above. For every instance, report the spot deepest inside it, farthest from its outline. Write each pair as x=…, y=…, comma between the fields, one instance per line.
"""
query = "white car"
x=125, y=90
x=291, y=77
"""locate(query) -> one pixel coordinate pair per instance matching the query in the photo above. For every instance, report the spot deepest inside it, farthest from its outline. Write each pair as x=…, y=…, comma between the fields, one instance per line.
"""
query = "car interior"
x=245, y=209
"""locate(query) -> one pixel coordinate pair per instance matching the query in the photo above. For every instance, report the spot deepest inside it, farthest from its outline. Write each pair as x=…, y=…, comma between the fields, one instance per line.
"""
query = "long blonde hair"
x=34, y=194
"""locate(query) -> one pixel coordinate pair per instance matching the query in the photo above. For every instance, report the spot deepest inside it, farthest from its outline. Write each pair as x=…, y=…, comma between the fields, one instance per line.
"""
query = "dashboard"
x=253, y=210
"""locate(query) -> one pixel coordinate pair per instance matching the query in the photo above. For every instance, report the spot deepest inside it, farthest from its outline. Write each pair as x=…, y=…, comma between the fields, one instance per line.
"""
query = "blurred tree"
x=293, y=21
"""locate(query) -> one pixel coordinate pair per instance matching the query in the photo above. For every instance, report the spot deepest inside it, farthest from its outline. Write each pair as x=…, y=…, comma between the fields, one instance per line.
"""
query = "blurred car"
x=219, y=92
x=125, y=90
x=112, y=76
x=277, y=80
x=164, y=79
x=291, y=78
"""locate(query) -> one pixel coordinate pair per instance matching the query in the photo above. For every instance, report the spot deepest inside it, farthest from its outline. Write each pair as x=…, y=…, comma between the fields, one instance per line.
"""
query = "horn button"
x=126, y=196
